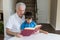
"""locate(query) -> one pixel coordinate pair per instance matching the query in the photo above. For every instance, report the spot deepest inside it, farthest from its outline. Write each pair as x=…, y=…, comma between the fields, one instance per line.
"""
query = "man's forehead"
x=21, y=7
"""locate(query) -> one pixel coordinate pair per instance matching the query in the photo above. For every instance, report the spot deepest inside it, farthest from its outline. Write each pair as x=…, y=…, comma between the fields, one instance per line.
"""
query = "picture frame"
x=1, y=16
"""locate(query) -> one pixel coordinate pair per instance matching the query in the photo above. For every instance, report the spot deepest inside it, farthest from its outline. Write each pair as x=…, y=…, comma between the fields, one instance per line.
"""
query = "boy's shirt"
x=29, y=25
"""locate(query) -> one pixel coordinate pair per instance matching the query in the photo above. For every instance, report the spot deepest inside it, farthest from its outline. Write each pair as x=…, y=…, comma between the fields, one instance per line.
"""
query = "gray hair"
x=20, y=4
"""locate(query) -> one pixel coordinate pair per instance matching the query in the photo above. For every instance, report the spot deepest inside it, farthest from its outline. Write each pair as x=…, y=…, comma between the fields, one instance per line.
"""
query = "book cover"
x=30, y=31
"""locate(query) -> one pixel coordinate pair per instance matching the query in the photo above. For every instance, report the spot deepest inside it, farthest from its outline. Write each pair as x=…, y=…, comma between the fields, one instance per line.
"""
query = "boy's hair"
x=28, y=15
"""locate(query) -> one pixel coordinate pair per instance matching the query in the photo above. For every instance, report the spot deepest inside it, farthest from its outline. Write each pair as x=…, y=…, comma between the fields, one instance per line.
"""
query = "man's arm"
x=12, y=33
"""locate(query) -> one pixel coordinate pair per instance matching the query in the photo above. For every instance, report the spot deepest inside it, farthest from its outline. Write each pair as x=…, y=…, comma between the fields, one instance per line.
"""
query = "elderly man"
x=14, y=22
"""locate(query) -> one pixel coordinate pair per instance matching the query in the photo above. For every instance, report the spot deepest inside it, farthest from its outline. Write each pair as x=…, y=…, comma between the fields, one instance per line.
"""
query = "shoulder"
x=10, y=19
x=33, y=22
x=24, y=22
x=12, y=16
x=10, y=22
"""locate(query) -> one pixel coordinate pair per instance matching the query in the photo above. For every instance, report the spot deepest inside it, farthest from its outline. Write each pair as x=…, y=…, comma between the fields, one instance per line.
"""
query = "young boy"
x=29, y=23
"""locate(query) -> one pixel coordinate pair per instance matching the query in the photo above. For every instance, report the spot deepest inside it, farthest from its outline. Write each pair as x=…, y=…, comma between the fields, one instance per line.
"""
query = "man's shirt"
x=14, y=24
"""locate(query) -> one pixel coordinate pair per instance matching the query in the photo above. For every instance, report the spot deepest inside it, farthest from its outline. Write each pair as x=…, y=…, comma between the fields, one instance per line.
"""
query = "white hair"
x=20, y=4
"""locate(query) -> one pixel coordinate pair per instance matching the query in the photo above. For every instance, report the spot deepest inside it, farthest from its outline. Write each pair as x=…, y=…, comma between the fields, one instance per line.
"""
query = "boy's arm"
x=43, y=31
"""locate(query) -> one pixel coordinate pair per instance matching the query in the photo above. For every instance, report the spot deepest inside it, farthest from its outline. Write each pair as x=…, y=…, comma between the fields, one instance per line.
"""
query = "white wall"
x=53, y=13
x=8, y=9
x=1, y=4
x=58, y=16
x=43, y=11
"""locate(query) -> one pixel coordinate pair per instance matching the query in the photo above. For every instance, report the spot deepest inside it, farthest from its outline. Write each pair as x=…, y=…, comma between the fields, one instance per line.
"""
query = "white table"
x=39, y=36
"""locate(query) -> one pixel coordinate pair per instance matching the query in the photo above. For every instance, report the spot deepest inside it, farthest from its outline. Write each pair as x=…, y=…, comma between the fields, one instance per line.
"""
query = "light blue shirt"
x=28, y=25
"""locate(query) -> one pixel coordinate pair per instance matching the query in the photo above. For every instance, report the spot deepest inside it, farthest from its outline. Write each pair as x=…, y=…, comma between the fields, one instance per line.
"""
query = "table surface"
x=39, y=36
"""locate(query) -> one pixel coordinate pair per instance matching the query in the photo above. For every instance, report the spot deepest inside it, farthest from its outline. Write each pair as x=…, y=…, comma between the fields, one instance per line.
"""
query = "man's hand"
x=13, y=33
x=18, y=35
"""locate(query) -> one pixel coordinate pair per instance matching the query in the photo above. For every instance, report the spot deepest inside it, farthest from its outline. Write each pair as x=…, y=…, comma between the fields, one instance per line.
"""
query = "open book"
x=29, y=31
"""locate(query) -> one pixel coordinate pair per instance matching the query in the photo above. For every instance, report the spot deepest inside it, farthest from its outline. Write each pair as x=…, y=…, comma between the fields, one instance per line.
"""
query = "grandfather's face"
x=20, y=11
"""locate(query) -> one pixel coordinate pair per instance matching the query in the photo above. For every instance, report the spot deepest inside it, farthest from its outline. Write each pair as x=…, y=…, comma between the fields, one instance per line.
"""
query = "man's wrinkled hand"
x=18, y=35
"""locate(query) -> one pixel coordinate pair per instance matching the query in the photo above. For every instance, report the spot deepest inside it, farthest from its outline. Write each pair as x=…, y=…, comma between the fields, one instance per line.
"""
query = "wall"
x=43, y=7
x=1, y=4
x=53, y=13
x=58, y=16
x=8, y=9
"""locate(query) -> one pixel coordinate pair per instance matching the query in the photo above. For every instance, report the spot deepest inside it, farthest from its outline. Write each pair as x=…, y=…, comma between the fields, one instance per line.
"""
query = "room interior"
x=45, y=12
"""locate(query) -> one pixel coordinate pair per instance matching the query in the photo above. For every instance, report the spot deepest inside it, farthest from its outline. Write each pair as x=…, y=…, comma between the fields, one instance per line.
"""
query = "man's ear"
x=25, y=19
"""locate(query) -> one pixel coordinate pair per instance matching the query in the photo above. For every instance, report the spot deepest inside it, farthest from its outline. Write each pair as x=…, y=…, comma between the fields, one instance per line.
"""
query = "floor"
x=1, y=37
x=46, y=27
x=50, y=29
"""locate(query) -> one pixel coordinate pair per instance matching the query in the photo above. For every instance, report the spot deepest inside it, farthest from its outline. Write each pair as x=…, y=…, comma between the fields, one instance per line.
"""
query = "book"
x=30, y=31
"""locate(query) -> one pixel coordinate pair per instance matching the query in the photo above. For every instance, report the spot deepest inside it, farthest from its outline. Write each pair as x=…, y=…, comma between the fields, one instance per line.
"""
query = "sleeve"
x=9, y=23
x=22, y=26
x=34, y=23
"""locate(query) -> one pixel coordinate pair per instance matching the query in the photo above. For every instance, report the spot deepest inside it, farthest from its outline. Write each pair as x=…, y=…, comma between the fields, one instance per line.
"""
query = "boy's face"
x=29, y=20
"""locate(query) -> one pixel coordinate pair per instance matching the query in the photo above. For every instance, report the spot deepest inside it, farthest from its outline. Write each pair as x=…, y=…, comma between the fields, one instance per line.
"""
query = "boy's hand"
x=45, y=32
x=18, y=35
x=38, y=26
